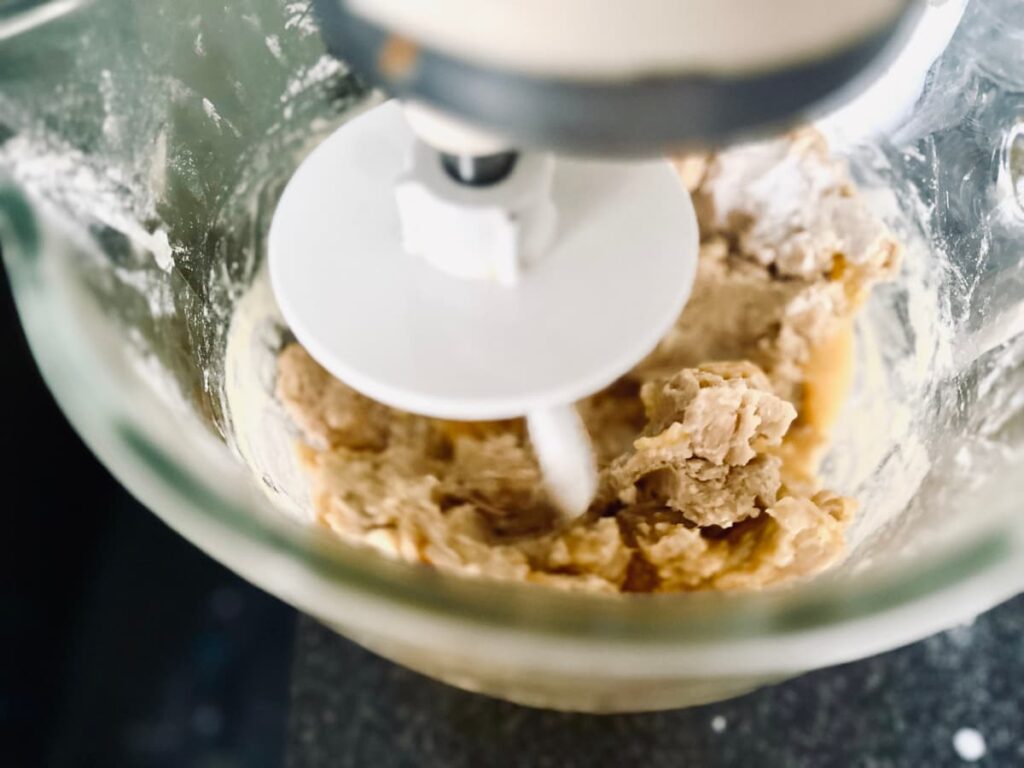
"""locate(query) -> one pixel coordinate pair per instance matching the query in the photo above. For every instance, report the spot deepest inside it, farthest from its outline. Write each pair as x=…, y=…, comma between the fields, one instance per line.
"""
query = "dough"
x=708, y=450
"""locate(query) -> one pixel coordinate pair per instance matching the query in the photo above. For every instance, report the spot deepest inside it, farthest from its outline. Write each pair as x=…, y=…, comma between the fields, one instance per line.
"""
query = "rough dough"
x=708, y=450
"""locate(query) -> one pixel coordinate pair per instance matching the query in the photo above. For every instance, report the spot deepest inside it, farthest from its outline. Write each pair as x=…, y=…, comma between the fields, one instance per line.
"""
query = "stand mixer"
x=486, y=266
x=143, y=147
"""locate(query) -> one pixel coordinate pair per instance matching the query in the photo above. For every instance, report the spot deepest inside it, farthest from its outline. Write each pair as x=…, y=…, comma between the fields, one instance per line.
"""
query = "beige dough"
x=708, y=450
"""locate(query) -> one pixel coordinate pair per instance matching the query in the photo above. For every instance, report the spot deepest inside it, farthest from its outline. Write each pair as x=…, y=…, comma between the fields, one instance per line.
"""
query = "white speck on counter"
x=718, y=724
x=969, y=744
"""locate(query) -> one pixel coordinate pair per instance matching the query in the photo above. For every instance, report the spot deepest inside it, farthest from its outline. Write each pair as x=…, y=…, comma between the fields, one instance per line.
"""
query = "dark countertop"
x=350, y=708
x=123, y=645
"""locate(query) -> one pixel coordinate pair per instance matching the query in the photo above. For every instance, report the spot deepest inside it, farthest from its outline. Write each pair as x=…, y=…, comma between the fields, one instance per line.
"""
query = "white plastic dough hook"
x=476, y=303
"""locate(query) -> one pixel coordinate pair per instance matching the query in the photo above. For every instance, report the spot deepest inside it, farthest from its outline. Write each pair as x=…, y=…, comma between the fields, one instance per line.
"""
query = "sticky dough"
x=708, y=449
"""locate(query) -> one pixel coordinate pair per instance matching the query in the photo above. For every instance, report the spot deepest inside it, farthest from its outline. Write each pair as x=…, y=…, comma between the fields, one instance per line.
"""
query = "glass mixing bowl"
x=142, y=148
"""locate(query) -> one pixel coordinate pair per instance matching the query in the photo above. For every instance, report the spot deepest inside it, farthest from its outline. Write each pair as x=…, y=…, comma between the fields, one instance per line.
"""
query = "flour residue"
x=262, y=433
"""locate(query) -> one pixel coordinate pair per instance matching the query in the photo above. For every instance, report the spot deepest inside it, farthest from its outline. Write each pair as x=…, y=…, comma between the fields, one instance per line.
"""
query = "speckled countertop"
x=941, y=702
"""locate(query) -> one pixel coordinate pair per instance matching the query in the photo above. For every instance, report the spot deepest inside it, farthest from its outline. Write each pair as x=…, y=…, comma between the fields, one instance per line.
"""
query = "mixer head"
x=617, y=76
x=434, y=256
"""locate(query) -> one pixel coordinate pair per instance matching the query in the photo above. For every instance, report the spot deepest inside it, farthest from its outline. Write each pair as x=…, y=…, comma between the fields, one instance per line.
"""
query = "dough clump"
x=708, y=450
